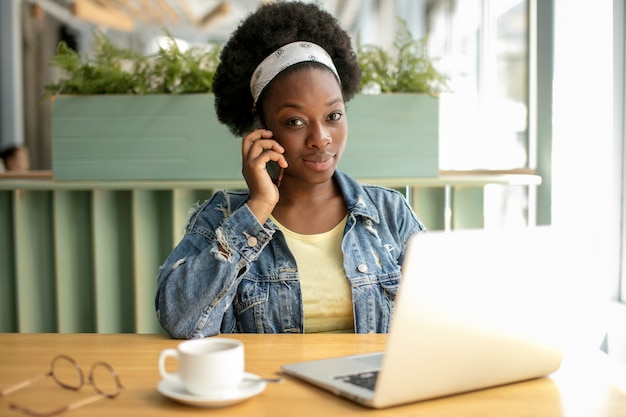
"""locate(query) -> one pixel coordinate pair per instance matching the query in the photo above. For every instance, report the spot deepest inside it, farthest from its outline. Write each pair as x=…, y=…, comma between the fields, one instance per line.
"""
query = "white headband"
x=284, y=57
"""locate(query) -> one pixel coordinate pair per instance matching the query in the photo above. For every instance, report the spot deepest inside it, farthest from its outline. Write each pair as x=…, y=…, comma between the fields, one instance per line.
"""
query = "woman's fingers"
x=257, y=140
x=258, y=148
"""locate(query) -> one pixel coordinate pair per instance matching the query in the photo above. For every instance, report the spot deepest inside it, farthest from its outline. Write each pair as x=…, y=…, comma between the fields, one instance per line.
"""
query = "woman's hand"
x=257, y=149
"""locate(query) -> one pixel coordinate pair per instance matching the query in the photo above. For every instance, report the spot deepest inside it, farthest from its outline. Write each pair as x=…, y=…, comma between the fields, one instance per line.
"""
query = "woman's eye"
x=335, y=115
x=295, y=122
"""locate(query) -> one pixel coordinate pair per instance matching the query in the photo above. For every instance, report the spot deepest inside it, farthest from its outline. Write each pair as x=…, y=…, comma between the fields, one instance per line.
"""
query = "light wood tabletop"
x=589, y=384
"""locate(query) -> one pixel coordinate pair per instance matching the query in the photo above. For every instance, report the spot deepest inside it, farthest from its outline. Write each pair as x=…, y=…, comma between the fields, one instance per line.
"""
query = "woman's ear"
x=258, y=120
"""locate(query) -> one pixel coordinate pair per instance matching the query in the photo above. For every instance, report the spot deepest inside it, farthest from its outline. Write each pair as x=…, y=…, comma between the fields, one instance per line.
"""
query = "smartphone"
x=275, y=171
x=272, y=167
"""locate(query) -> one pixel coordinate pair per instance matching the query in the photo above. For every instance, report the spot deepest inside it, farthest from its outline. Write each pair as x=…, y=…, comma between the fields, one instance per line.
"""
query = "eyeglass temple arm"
x=68, y=407
x=20, y=385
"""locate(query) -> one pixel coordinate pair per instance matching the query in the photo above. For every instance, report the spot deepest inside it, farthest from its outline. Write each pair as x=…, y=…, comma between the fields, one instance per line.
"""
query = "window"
x=483, y=45
x=619, y=32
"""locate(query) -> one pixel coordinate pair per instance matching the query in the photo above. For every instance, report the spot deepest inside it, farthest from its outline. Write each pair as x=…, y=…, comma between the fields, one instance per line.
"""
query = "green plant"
x=115, y=70
x=411, y=70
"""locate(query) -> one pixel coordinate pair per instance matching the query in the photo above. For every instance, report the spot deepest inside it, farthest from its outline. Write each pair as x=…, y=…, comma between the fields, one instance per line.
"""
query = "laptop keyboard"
x=365, y=380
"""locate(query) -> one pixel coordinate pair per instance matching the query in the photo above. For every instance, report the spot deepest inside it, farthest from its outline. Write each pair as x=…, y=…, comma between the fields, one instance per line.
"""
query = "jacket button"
x=252, y=241
x=362, y=268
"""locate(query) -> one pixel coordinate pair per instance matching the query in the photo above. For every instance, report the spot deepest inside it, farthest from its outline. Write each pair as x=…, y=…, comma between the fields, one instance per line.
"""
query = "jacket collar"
x=357, y=200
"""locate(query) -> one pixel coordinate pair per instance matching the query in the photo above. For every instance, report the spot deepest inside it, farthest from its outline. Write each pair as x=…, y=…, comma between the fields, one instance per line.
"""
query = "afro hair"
x=271, y=26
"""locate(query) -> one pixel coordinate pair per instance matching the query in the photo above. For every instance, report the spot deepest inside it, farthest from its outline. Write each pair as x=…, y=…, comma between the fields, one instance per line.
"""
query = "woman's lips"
x=320, y=162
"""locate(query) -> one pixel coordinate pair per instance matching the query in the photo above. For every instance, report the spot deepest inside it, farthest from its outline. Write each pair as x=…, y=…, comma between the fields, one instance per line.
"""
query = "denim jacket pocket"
x=255, y=313
x=390, y=288
x=250, y=294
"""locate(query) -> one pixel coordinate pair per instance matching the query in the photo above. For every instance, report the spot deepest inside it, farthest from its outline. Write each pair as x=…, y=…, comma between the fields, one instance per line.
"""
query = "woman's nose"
x=319, y=137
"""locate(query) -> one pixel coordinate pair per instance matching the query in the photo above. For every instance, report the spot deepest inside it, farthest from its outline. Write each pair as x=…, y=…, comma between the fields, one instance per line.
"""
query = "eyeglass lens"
x=66, y=372
x=105, y=380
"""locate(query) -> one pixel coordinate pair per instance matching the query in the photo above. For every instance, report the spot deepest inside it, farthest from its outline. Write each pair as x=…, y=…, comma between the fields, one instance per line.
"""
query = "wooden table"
x=587, y=385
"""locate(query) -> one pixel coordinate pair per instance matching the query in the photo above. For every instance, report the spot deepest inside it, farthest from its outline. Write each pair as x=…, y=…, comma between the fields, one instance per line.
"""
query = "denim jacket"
x=232, y=274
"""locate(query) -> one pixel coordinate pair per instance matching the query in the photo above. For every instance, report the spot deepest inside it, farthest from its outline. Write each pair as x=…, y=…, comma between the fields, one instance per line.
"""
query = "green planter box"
x=392, y=136
x=178, y=137
x=151, y=137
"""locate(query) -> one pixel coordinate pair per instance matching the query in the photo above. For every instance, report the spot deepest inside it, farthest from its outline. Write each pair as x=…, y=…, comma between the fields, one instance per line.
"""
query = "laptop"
x=475, y=309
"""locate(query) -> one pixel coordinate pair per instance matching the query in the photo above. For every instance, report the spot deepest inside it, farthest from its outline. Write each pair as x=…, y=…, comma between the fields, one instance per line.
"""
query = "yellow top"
x=326, y=292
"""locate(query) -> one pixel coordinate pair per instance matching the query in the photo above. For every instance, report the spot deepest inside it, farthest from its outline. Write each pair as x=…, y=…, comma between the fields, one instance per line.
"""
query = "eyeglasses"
x=67, y=373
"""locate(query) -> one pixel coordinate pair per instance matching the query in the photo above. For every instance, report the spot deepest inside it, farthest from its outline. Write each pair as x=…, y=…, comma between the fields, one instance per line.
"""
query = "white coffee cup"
x=206, y=366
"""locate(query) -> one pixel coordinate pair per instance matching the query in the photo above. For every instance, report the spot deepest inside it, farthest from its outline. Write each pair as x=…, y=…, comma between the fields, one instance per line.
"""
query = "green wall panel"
x=468, y=208
x=74, y=261
x=80, y=256
x=34, y=267
x=113, y=261
x=430, y=204
x=8, y=316
x=152, y=237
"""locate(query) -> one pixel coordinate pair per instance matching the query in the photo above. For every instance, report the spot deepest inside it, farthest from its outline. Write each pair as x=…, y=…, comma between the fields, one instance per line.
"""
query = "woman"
x=311, y=250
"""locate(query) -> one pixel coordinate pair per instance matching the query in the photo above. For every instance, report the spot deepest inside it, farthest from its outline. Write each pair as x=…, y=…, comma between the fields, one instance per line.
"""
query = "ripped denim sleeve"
x=198, y=281
x=230, y=226
x=242, y=234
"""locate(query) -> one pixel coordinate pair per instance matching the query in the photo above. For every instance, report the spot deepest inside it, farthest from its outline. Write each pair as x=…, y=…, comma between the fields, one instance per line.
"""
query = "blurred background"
x=481, y=45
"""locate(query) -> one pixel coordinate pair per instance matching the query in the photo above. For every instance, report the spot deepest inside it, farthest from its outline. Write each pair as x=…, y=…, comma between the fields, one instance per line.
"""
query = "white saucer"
x=250, y=386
